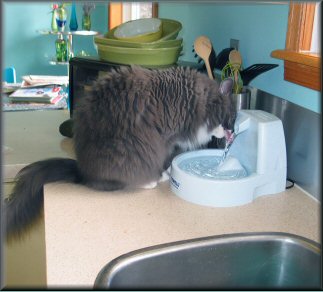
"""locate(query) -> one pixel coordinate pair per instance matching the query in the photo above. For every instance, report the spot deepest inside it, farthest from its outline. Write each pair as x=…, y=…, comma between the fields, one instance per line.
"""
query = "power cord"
x=289, y=183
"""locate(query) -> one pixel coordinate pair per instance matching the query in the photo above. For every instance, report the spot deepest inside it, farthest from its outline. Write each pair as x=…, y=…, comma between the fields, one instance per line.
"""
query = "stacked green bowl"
x=161, y=52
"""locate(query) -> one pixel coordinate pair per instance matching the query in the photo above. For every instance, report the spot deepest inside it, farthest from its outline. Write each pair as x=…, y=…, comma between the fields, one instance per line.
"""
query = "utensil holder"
x=242, y=100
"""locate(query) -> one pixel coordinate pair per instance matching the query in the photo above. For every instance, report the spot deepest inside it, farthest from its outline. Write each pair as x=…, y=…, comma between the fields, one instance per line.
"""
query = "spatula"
x=254, y=70
x=203, y=47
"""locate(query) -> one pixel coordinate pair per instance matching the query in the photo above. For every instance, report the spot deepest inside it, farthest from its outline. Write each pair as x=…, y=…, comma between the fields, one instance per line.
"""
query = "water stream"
x=215, y=167
x=229, y=141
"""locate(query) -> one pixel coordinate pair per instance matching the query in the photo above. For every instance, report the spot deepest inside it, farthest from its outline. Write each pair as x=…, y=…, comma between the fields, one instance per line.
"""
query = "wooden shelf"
x=302, y=68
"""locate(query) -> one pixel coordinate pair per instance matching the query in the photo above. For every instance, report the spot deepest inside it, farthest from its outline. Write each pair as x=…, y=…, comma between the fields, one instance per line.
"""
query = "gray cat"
x=127, y=130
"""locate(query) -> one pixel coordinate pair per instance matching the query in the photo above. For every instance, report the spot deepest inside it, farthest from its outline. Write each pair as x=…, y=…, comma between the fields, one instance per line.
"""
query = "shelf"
x=53, y=62
x=77, y=32
x=70, y=35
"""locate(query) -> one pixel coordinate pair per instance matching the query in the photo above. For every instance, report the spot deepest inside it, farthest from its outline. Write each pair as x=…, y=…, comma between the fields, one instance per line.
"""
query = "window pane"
x=316, y=36
x=136, y=10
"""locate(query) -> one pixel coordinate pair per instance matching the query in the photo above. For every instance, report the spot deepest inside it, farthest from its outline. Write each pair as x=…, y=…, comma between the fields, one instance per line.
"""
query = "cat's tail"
x=25, y=203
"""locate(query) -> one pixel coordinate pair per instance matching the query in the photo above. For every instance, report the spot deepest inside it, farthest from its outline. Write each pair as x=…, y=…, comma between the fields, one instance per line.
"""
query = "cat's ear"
x=226, y=86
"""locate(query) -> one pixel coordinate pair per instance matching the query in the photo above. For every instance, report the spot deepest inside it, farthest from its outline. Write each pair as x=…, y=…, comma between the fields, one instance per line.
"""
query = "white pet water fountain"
x=255, y=165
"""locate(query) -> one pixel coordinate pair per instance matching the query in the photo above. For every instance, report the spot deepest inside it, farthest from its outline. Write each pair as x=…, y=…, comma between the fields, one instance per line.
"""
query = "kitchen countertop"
x=85, y=229
x=30, y=136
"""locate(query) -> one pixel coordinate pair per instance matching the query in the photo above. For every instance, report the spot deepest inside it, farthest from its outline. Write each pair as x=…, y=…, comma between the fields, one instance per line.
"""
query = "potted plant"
x=240, y=94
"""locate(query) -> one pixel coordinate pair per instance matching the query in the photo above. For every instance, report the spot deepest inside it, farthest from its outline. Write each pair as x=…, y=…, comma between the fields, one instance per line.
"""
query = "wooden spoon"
x=236, y=61
x=203, y=48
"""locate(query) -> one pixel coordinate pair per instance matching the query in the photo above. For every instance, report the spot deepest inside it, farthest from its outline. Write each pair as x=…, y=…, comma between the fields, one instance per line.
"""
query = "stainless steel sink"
x=245, y=260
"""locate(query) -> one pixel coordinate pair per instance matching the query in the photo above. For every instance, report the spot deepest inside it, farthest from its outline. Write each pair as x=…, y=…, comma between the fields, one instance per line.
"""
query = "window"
x=136, y=10
x=316, y=35
x=302, y=60
x=122, y=12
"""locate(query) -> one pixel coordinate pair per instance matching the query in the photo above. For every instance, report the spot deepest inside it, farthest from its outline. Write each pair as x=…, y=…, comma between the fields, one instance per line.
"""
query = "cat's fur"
x=127, y=129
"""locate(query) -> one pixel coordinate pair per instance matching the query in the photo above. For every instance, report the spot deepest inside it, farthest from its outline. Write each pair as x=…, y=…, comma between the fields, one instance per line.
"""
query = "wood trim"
x=304, y=75
x=300, y=67
x=300, y=26
x=309, y=59
x=155, y=9
x=115, y=14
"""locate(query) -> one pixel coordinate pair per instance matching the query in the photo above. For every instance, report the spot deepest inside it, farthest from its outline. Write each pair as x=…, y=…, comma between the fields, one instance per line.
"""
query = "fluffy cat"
x=127, y=130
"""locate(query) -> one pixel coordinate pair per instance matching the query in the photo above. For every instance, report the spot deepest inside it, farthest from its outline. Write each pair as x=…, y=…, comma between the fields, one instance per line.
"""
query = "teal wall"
x=24, y=48
x=261, y=28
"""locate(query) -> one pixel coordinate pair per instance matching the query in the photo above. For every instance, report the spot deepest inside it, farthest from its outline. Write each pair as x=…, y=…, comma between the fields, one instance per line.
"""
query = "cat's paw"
x=149, y=185
x=218, y=132
x=165, y=175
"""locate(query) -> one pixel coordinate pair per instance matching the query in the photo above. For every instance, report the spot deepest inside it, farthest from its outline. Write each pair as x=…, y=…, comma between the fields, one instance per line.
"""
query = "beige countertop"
x=85, y=229
x=30, y=136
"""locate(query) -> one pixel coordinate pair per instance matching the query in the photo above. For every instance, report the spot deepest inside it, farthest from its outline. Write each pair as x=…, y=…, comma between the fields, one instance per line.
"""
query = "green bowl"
x=139, y=56
x=170, y=30
x=101, y=40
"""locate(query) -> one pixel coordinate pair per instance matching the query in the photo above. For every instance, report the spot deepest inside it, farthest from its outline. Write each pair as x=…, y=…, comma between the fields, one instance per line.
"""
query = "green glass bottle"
x=61, y=49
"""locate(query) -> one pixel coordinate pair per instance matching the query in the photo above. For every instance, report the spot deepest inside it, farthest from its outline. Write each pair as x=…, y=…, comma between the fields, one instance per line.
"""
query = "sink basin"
x=244, y=260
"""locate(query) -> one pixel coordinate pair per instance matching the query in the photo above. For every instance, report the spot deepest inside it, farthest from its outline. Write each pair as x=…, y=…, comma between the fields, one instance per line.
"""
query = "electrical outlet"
x=234, y=44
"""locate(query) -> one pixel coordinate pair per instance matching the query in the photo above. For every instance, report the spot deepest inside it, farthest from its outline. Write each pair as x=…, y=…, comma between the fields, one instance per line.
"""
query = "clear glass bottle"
x=61, y=49
x=86, y=22
x=61, y=16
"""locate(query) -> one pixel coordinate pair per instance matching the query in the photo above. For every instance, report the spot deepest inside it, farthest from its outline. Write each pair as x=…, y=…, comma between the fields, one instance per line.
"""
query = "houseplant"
x=240, y=94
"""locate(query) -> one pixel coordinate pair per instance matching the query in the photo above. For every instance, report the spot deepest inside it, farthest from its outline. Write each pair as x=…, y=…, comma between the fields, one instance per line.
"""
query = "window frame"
x=115, y=13
x=300, y=65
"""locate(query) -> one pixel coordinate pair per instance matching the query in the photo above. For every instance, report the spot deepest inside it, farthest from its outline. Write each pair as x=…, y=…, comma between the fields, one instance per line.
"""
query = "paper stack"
x=45, y=89
x=43, y=80
x=50, y=94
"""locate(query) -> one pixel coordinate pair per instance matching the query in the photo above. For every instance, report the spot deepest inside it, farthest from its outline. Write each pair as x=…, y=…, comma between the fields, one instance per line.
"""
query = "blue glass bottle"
x=73, y=21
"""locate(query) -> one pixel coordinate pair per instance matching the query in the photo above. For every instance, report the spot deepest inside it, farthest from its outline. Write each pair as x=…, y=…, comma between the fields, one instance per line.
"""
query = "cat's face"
x=225, y=89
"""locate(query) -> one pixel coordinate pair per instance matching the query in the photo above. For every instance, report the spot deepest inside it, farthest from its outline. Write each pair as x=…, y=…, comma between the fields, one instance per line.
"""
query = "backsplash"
x=302, y=129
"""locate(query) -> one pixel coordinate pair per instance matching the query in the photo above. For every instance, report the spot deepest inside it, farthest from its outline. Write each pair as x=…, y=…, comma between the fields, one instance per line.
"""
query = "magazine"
x=42, y=94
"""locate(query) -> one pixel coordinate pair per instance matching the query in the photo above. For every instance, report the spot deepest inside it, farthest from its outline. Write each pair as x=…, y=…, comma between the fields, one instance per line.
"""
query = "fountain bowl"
x=209, y=191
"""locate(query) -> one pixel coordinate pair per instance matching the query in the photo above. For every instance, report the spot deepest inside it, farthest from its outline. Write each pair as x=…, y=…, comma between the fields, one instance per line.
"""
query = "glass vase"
x=86, y=22
x=73, y=20
x=61, y=17
x=54, y=23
